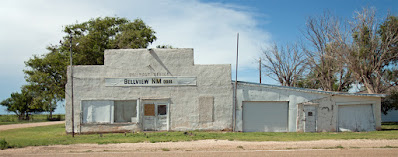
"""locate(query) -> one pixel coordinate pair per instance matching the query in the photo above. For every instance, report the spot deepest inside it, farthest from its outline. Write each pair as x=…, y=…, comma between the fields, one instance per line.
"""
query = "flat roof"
x=310, y=90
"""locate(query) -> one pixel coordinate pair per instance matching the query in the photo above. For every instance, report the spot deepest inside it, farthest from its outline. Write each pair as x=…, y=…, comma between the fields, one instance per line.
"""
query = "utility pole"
x=236, y=85
x=71, y=82
x=259, y=67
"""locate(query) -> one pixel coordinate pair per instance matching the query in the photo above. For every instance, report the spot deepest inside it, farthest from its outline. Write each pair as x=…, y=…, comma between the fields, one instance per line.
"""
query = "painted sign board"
x=151, y=81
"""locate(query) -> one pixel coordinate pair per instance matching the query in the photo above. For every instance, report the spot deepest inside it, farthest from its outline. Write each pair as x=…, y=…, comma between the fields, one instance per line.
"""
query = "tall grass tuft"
x=3, y=144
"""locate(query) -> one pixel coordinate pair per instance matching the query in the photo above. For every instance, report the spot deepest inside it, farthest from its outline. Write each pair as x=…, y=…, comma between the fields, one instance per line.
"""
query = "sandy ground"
x=278, y=153
x=218, y=148
x=27, y=125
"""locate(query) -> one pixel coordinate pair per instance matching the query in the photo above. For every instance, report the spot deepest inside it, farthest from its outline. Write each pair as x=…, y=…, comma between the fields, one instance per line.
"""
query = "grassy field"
x=389, y=126
x=13, y=119
x=55, y=134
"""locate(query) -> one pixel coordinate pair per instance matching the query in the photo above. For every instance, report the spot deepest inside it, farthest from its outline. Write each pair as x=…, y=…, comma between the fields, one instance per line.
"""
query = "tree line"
x=335, y=54
x=46, y=74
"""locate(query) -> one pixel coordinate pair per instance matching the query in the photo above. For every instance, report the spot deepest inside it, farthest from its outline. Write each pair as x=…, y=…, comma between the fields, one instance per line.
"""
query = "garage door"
x=356, y=118
x=265, y=116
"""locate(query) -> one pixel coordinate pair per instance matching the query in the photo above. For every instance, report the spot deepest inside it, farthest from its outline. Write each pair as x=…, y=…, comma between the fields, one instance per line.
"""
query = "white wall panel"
x=356, y=118
x=392, y=116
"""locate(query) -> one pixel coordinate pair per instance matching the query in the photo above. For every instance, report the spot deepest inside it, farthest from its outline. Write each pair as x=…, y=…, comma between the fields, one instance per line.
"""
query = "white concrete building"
x=392, y=116
x=270, y=108
x=162, y=90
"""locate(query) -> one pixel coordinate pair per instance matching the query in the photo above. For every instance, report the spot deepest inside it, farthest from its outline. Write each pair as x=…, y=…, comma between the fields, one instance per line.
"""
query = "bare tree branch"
x=326, y=35
x=284, y=64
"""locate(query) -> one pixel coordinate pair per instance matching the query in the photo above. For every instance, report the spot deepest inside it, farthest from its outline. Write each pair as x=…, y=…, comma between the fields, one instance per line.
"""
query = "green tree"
x=21, y=104
x=164, y=46
x=373, y=55
x=46, y=74
x=390, y=102
x=46, y=78
x=306, y=81
x=91, y=38
x=361, y=50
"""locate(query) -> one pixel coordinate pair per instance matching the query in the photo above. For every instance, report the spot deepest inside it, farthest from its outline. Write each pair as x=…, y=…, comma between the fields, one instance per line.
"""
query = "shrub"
x=3, y=144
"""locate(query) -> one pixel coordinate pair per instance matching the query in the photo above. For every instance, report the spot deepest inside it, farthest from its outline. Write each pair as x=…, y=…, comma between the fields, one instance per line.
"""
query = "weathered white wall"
x=328, y=110
x=354, y=100
x=392, y=116
x=213, y=85
x=326, y=102
x=212, y=80
x=256, y=92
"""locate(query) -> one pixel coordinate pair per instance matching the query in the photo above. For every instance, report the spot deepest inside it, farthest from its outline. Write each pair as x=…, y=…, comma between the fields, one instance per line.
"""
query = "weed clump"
x=3, y=144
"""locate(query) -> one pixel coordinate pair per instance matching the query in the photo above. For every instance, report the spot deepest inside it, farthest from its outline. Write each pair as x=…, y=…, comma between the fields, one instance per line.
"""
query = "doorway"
x=356, y=117
x=265, y=116
x=310, y=118
x=155, y=116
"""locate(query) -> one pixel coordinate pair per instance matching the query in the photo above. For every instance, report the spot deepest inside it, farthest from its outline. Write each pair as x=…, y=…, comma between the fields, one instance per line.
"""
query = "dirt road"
x=27, y=125
x=218, y=148
x=249, y=153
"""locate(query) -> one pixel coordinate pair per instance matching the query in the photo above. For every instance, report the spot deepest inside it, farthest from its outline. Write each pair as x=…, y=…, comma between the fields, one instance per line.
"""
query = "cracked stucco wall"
x=212, y=81
x=327, y=105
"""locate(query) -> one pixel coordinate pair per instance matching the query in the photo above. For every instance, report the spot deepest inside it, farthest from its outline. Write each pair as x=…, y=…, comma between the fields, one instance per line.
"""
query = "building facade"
x=270, y=108
x=163, y=90
x=141, y=89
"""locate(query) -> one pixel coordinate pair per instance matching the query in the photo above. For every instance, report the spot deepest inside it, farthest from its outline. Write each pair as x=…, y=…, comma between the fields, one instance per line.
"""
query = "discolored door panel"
x=310, y=112
x=161, y=117
x=356, y=118
x=155, y=116
x=149, y=119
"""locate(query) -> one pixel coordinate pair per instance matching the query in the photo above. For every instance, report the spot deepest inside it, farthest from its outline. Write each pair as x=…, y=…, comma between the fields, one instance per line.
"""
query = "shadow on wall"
x=152, y=52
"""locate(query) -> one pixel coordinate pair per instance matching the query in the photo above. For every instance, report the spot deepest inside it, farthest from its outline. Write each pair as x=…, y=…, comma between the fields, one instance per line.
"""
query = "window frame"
x=112, y=112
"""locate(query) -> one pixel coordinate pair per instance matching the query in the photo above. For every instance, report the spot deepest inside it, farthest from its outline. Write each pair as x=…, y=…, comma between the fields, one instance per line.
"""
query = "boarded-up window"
x=97, y=111
x=125, y=110
x=162, y=110
x=149, y=110
x=206, y=104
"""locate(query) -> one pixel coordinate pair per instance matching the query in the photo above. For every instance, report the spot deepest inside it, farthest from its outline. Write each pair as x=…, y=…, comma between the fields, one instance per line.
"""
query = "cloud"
x=210, y=28
x=27, y=27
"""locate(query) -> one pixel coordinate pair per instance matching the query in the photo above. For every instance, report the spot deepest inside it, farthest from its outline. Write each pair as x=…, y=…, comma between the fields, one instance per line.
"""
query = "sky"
x=210, y=27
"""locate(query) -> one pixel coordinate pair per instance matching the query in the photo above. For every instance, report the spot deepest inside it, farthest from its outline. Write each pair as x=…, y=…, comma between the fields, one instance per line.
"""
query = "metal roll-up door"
x=265, y=116
x=356, y=118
